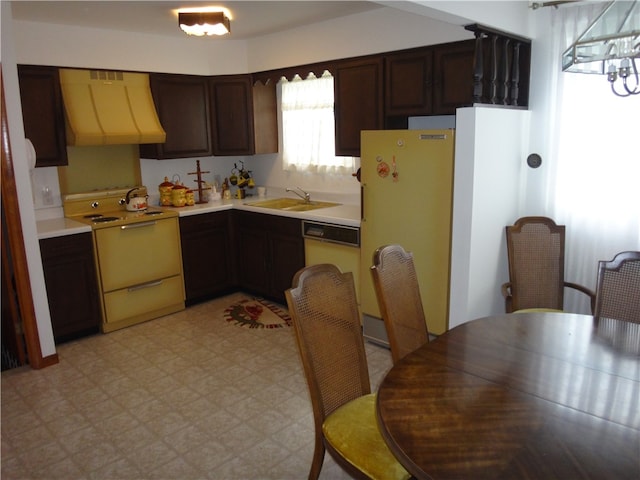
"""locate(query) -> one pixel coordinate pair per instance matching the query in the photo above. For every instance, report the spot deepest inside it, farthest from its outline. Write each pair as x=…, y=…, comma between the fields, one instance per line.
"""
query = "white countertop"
x=344, y=214
x=57, y=227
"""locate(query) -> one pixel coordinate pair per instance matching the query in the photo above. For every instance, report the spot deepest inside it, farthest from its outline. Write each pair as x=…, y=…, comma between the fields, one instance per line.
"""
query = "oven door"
x=138, y=253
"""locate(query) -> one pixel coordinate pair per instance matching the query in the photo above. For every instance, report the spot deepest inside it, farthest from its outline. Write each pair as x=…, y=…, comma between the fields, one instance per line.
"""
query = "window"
x=308, y=127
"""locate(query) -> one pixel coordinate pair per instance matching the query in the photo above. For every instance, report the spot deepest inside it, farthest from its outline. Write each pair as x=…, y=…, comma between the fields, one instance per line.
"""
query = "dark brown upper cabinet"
x=231, y=104
x=182, y=103
x=43, y=114
x=432, y=80
x=244, y=116
x=409, y=83
x=452, y=76
x=358, y=98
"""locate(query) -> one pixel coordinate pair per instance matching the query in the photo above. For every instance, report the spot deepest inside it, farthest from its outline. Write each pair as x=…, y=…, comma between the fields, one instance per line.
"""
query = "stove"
x=107, y=208
x=137, y=254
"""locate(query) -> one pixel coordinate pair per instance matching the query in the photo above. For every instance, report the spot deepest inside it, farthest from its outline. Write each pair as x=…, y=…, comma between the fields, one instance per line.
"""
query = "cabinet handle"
x=137, y=225
x=145, y=285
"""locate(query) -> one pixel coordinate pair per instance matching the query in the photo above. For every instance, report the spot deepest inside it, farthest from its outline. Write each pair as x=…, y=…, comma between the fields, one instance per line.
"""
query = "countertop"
x=344, y=214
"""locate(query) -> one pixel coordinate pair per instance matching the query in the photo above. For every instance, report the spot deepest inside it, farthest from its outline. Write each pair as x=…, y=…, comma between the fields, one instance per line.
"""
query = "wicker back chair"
x=398, y=294
x=323, y=306
x=618, y=288
x=535, y=246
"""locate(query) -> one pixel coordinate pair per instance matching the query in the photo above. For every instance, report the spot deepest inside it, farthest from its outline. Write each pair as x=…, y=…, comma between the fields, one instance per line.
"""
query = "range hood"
x=109, y=108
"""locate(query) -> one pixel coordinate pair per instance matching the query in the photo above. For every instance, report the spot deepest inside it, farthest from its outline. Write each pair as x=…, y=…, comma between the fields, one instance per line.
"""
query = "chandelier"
x=610, y=46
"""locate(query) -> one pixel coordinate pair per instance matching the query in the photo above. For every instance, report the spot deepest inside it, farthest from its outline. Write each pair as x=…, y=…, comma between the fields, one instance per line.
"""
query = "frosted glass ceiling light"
x=204, y=23
x=610, y=46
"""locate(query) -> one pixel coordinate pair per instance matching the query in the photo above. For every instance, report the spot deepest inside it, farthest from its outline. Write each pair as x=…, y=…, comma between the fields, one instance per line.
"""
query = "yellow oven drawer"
x=143, y=302
x=138, y=253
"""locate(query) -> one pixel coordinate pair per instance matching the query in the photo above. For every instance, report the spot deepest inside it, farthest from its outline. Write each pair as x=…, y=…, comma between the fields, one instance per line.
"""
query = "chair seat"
x=551, y=310
x=352, y=430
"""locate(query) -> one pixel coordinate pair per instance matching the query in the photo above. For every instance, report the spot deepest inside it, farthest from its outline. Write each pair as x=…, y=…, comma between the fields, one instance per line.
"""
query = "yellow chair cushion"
x=526, y=310
x=353, y=431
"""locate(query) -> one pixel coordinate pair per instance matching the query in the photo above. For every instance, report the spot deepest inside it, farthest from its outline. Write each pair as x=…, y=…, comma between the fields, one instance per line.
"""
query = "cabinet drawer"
x=138, y=253
x=143, y=299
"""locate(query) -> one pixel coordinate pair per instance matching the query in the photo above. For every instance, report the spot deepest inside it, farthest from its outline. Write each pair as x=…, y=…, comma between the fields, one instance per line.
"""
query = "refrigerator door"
x=407, y=186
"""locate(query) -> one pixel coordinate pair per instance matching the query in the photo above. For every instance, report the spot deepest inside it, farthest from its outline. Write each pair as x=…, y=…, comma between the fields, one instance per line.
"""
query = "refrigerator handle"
x=362, y=201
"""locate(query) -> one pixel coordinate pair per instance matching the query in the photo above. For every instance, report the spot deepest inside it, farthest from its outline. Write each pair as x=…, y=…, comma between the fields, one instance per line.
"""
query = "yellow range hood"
x=109, y=108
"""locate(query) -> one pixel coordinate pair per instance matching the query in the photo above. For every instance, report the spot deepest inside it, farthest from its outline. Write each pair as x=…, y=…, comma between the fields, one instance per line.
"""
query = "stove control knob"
x=95, y=204
x=122, y=201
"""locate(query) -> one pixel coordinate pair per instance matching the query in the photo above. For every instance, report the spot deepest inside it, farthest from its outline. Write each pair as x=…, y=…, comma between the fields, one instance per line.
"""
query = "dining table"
x=537, y=395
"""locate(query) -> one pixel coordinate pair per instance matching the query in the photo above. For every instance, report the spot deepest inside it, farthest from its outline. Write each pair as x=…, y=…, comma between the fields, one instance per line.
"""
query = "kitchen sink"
x=291, y=204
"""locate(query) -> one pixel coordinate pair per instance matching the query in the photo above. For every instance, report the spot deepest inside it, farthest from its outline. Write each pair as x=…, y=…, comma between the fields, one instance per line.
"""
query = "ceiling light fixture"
x=610, y=46
x=204, y=23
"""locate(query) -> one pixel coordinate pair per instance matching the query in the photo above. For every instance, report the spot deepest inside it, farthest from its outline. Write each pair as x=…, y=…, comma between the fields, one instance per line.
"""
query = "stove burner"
x=93, y=215
x=101, y=219
x=154, y=213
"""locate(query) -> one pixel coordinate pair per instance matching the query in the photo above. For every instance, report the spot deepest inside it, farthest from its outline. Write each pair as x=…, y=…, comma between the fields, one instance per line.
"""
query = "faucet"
x=306, y=197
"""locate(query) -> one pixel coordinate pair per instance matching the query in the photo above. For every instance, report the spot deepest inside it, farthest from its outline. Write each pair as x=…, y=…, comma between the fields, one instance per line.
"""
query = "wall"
x=375, y=31
x=490, y=146
x=21, y=174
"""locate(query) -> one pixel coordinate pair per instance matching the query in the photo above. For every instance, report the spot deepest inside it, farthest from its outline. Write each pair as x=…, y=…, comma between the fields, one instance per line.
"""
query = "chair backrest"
x=398, y=293
x=324, y=310
x=535, y=246
x=618, y=288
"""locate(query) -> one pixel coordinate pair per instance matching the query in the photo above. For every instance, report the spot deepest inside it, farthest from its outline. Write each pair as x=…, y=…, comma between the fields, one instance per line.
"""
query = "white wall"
x=69, y=46
x=375, y=31
x=506, y=15
x=21, y=174
x=491, y=146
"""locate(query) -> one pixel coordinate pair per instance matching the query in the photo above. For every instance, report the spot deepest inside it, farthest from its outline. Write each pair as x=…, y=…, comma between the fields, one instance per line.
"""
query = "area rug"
x=253, y=312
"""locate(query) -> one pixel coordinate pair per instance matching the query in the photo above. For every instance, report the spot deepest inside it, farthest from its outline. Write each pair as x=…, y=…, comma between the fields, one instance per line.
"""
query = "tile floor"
x=186, y=396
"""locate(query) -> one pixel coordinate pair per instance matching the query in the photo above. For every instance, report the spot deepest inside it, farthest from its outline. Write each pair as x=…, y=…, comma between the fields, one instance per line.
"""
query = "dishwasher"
x=335, y=244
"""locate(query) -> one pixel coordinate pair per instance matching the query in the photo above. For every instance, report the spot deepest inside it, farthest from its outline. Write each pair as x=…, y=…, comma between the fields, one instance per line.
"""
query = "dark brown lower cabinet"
x=270, y=250
x=207, y=256
x=72, y=286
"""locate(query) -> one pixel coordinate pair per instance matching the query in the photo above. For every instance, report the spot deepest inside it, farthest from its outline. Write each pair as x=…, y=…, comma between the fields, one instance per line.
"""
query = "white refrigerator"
x=407, y=195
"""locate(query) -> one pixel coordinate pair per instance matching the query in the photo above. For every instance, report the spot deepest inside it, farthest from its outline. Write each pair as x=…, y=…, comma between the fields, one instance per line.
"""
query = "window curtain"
x=595, y=162
x=308, y=126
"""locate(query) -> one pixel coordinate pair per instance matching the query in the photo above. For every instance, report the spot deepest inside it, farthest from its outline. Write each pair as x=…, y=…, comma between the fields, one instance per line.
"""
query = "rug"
x=254, y=312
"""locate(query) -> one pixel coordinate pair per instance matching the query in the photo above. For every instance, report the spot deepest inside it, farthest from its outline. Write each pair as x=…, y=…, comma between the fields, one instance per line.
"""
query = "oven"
x=137, y=254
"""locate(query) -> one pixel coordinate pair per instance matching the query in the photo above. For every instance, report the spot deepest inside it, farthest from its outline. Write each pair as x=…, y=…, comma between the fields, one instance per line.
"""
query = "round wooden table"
x=520, y=396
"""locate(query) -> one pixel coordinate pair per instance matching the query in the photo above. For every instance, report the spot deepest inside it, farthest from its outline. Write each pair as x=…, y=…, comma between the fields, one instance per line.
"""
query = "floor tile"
x=188, y=396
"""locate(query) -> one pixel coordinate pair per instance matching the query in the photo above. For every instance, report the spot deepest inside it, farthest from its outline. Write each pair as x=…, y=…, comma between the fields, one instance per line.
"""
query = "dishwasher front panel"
x=346, y=258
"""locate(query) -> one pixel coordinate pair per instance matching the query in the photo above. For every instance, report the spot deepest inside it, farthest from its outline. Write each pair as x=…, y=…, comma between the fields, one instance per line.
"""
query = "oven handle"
x=137, y=225
x=144, y=285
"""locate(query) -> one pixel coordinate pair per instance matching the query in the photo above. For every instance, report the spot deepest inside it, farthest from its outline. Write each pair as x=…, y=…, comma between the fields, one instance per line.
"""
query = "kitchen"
x=141, y=52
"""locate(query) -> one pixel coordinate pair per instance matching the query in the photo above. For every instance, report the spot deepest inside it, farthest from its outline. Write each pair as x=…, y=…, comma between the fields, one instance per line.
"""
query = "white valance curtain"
x=308, y=126
x=594, y=161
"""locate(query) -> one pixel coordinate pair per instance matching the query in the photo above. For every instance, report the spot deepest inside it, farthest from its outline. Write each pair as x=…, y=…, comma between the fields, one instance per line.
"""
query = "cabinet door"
x=72, y=286
x=265, y=118
x=183, y=109
x=359, y=102
x=287, y=257
x=270, y=251
x=408, y=83
x=206, y=255
x=252, y=259
x=43, y=114
x=232, y=115
x=453, y=76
